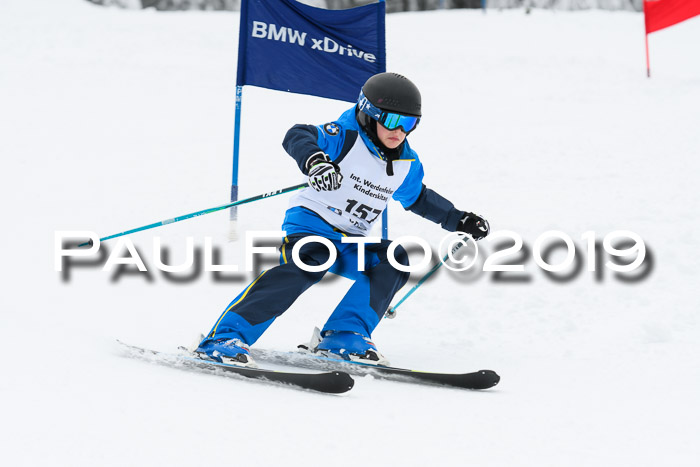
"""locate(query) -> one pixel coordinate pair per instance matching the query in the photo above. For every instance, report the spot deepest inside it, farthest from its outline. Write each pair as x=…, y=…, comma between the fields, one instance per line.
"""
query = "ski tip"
x=341, y=382
x=489, y=378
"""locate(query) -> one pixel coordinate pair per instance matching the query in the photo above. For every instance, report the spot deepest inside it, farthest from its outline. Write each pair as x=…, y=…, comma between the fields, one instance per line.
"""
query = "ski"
x=482, y=379
x=332, y=382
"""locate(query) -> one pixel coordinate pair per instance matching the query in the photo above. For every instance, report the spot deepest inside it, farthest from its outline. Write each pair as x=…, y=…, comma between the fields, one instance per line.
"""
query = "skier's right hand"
x=474, y=225
x=324, y=174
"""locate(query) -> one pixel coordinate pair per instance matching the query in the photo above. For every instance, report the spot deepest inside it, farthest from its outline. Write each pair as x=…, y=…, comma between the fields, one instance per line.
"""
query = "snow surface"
x=111, y=119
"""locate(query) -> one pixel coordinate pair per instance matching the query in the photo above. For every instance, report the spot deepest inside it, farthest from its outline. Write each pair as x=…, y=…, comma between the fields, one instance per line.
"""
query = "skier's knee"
x=311, y=254
x=401, y=255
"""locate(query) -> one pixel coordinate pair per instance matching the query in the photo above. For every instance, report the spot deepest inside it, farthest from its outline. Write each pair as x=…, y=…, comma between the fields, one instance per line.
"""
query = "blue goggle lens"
x=388, y=120
x=392, y=121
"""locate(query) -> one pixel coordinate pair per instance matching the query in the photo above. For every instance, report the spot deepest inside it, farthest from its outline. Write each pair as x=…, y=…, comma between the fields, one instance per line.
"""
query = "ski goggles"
x=389, y=120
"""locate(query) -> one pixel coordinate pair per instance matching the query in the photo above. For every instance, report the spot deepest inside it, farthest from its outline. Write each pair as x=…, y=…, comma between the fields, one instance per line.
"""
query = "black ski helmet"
x=388, y=92
x=394, y=93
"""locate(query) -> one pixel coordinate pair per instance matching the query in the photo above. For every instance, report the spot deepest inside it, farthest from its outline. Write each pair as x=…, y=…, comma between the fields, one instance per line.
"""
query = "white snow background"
x=111, y=119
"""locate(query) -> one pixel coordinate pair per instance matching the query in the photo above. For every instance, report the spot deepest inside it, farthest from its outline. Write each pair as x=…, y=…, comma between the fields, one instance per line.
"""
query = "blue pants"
x=274, y=290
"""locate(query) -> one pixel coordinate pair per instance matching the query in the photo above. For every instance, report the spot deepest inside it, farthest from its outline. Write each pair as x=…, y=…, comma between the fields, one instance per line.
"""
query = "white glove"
x=324, y=174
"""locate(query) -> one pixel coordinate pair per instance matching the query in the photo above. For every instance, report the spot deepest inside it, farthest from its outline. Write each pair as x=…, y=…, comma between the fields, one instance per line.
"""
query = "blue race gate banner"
x=289, y=46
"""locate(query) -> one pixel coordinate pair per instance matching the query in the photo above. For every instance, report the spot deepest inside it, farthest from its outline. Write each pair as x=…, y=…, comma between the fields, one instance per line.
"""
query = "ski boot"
x=224, y=350
x=345, y=344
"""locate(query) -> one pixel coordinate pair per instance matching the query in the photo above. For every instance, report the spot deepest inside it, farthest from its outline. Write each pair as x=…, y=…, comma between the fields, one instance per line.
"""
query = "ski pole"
x=201, y=213
x=391, y=312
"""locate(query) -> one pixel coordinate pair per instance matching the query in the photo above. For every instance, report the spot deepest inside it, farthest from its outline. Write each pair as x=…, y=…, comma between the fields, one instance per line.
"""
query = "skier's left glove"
x=474, y=225
x=324, y=174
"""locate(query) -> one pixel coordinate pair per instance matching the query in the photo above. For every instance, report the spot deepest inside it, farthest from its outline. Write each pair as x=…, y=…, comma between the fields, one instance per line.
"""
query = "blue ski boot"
x=224, y=350
x=347, y=345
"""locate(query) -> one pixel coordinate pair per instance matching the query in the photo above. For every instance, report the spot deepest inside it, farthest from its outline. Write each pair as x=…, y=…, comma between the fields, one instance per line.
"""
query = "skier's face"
x=390, y=138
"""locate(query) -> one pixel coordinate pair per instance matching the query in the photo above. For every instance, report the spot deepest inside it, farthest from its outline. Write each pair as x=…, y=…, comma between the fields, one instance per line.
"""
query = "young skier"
x=354, y=165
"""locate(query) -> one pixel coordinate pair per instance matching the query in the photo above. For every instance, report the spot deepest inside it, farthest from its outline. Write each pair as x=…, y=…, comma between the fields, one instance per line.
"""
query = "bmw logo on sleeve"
x=331, y=128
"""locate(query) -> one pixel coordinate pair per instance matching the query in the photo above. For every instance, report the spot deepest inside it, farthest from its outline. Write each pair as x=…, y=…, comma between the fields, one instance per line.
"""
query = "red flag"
x=660, y=14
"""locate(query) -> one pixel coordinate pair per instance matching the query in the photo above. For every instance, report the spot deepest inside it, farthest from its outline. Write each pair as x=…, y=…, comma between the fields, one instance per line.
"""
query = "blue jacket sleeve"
x=302, y=141
x=414, y=196
x=434, y=207
x=410, y=189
